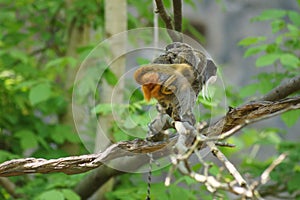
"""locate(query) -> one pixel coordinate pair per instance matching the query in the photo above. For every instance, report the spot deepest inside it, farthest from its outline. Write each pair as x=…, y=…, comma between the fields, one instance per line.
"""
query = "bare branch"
x=83, y=163
x=177, y=10
x=213, y=184
x=229, y=166
x=9, y=187
x=264, y=178
x=167, y=20
x=94, y=180
x=164, y=15
x=283, y=90
x=252, y=112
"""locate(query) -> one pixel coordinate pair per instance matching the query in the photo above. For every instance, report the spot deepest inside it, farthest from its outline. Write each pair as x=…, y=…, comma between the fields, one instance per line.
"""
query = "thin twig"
x=230, y=167
x=265, y=176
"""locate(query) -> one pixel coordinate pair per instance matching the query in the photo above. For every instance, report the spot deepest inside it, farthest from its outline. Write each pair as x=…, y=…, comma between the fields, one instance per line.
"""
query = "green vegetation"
x=36, y=60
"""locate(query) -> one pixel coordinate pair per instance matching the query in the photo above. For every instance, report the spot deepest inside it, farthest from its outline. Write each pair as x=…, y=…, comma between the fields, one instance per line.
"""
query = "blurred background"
x=61, y=63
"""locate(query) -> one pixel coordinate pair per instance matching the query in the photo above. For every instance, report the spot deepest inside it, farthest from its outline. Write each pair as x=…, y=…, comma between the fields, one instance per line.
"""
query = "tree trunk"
x=78, y=35
x=115, y=22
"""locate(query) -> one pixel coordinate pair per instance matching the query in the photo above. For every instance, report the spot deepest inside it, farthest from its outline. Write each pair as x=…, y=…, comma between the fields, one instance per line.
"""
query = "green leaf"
x=254, y=50
x=279, y=39
x=27, y=139
x=61, y=133
x=39, y=93
x=293, y=183
x=247, y=137
x=43, y=143
x=188, y=180
x=265, y=85
x=179, y=193
x=272, y=48
x=267, y=59
x=20, y=55
x=251, y=40
x=159, y=190
x=289, y=60
x=120, y=135
x=51, y=195
x=64, y=133
x=290, y=118
x=294, y=30
x=70, y=194
x=62, y=62
x=277, y=25
x=5, y=155
x=294, y=17
x=129, y=123
x=214, y=170
x=270, y=14
x=249, y=90
x=273, y=138
x=103, y=109
x=110, y=77
x=133, y=22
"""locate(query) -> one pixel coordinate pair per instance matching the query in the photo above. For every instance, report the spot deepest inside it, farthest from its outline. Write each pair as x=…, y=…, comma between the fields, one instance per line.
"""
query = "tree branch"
x=214, y=184
x=91, y=183
x=9, y=187
x=160, y=8
x=283, y=90
x=164, y=15
x=250, y=113
x=242, y=115
x=177, y=10
x=83, y=163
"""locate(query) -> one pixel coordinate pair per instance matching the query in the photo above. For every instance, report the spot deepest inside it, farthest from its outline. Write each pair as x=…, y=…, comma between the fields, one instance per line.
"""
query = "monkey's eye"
x=168, y=90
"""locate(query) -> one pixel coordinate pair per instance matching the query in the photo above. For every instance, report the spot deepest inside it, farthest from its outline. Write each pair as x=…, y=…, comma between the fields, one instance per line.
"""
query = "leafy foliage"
x=33, y=96
x=281, y=55
x=34, y=39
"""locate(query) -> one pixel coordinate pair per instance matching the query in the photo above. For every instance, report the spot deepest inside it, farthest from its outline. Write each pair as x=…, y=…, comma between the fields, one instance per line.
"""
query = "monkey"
x=175, y=79
x=170, y=85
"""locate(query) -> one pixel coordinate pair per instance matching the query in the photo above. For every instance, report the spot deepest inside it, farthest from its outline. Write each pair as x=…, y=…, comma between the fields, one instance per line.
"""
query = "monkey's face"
x=164, y=81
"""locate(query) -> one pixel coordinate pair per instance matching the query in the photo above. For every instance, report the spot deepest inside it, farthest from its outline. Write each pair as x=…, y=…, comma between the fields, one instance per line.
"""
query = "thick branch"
x=91, y=183
x=283, y=90
x=252, y=112
x=80, y=164
x=242, y=115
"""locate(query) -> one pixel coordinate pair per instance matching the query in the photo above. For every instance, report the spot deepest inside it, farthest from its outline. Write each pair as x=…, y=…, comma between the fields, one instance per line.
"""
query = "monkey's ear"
x=144, y=76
